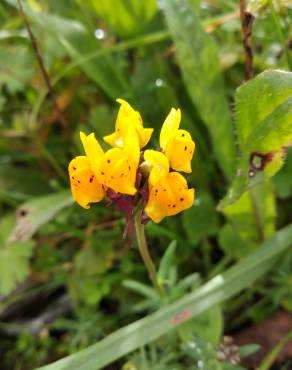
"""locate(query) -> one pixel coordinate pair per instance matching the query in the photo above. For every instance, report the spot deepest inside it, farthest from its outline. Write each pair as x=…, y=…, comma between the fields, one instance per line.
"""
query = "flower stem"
x=143, y=248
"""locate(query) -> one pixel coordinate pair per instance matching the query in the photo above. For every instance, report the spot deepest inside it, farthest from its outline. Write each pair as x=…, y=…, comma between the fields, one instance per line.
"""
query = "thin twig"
x=246, y=27
x=41, y=64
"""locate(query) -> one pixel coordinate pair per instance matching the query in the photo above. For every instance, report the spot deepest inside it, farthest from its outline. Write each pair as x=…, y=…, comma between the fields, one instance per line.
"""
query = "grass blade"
x=143, y=331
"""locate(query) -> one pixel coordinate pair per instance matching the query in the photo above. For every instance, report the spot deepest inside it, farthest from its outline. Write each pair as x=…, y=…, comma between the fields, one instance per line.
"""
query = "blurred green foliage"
x=67, y=278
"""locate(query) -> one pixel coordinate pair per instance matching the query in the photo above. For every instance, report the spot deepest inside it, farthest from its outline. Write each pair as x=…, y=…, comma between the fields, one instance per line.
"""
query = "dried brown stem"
x=41, y=64
x=246, y=27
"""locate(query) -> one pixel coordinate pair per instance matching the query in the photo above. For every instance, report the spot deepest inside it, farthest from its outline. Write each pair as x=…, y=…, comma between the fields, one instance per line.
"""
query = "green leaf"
x=208, y=326
x=142, y=289
x=125, y=17
x=198, y=59
x=252, y=218
x=107, y=73
x=37, y=212
x=231, y=242
x=283, y=179
x=14, y=258
x=201, y=220
x=264, y=129
x=167, y=262
x=217, y=290
x=14, y=264
x=249, y=349
x=16, y=67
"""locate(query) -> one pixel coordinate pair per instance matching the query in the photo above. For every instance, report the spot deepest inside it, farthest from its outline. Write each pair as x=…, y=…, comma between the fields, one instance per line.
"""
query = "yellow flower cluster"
x=98, y=173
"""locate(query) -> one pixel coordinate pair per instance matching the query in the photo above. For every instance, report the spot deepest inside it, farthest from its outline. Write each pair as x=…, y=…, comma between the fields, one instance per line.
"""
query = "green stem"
x=257, y=215
x=272, y=356
x=143, y=249
x=276, y=20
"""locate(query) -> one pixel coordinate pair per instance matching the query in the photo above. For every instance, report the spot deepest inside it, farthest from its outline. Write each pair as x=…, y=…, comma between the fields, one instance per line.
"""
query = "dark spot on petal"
x=164, y=189
x=102, y=173
x=91, y=179
x=108, y=161
x=121, y=175
x=181, y=199
x=129, y=168
x=112, y=177
x=182, y=135
x=72, y=177
x=79, y=182
x=186, y=147
x=74, y=168
x=174, y=206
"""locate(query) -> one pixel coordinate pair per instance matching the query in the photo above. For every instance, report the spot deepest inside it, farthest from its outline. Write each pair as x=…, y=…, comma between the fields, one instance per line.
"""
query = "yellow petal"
x=84, y=184
x=127, y=111
x=131, y=146
x=144, y=136
x=93, y=150
x=180, y=150
x=169, y=127
x=114, y=140
x=158, y=164
x=117, y=171
x=169, y=196
x=128, y=118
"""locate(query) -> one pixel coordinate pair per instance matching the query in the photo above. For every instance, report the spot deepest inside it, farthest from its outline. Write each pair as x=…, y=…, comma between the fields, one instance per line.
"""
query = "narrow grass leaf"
x=143, y=331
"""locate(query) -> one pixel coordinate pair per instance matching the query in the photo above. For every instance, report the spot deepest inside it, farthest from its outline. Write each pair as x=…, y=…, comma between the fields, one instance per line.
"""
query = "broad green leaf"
x=38, y=211
x=86, y=281
x=283, y=179
x=14, y=264
x=252, y=218
x=16, y=67
x=264, y=129
x=198, y=60
x=231, y=242
x=216, y=291
x=125, y=17
x=201, y=220
x=14, y=258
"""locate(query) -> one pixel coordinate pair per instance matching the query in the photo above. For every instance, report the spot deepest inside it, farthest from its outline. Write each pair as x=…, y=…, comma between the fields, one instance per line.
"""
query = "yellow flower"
x=177, y=144
x=93, y=174
x=158, y=165
x=116, y=169
x=127, y=119
x=169, y=196
x=84, y=185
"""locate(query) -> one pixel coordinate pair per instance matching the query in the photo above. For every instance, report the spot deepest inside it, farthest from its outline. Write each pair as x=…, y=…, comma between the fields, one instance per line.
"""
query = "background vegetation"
x=67, y=278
